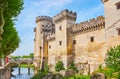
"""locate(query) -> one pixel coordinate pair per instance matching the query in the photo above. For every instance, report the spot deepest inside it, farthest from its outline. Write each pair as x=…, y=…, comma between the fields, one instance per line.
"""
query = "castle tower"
x=41, y=31
x=112, y=18
x=62, y=22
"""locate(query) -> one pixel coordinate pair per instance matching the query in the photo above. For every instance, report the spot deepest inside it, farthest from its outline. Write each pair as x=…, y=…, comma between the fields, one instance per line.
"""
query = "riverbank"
x=24, y=66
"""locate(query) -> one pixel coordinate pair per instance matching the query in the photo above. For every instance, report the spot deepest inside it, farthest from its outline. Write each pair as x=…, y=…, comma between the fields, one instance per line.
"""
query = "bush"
x=40, y=75
x=78, y=77
x=113, y=59
x=59, y=66
x=46, y=68
x=73, y=67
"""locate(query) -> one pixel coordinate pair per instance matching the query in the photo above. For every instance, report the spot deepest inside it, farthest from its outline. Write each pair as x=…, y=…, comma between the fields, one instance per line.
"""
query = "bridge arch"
x=19, y=62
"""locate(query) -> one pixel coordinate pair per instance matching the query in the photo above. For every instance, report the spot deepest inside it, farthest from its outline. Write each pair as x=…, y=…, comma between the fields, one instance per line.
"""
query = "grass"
x=23, y=66
x=26, y=66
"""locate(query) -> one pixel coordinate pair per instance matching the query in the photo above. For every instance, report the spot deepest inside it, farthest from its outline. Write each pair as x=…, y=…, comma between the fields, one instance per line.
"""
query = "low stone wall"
x=5, y=72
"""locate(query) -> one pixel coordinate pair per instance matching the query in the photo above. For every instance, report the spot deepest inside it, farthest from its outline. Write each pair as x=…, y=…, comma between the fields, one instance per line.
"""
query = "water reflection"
x=24, y=73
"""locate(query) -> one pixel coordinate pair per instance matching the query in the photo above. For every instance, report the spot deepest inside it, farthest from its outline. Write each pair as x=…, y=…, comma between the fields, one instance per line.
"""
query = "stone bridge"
x=19, y=62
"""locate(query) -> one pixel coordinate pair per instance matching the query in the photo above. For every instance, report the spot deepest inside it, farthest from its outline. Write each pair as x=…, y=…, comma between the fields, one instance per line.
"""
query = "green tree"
x=113, y=59
x=31, y=55
x=9, y=9
x=10, y=39
x=59, y=66
x=25, y=56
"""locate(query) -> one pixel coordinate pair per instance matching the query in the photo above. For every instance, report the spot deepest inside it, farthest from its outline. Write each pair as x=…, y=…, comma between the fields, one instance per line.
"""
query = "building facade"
x=61, y=39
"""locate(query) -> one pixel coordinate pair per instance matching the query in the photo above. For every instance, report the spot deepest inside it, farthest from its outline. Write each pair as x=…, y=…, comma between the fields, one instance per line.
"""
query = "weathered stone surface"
x=67, y=73
x=61, y=39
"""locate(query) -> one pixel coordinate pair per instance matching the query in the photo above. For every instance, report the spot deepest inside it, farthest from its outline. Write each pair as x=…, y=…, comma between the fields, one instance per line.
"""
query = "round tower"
x=42, y=24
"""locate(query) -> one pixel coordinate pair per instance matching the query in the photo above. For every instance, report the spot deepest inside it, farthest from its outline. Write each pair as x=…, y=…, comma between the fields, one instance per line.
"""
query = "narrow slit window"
x=60, y=43
x=60, y=28
x=119, y=32
x=91, y=39
x=49, y=46
x=74, y=42
x=118, y=5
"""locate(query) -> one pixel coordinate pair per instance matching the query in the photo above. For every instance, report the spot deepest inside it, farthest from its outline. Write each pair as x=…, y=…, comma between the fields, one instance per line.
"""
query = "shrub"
x=46, y=68
x=73, y=67
x=59, y=66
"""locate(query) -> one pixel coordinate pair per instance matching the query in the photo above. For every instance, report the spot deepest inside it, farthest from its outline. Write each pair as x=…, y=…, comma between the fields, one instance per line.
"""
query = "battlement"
x=51, y=37
x=91, y=25
x=104, y=0
x=43, y=18
x=65, y=13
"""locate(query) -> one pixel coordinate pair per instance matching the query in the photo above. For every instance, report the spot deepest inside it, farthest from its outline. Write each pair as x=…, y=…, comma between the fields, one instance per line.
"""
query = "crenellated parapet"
x=51, y=37
x=65, y=14
x=43, y=18
x=88, y=26
x=104, y=1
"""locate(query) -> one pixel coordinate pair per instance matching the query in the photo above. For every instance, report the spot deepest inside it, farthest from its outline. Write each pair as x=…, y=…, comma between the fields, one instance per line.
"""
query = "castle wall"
x=62, y=22
x=112, y=14
x=92, y=53
x=112, y=17
x=86, y=43
x=52, y=54
x=61, y=41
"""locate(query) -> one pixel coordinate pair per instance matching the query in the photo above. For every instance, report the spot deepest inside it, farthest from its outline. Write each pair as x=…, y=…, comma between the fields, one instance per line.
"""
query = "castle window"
x=118, y=5
x=119, y=32
x=92, y=39
x=49, y=46
x=60, y=43
x=74, y=42
x=60, y=28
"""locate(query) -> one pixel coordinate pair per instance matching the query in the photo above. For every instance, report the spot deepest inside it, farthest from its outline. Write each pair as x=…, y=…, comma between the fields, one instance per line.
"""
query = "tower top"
x=43, y=18
x=104, y=1
x=65, y=14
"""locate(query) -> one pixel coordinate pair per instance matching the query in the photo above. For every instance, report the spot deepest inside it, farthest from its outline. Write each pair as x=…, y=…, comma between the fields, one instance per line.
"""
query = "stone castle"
x=61, y=39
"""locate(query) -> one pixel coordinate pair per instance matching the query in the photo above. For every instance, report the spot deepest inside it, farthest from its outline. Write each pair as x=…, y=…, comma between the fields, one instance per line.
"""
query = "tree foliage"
x=9, y=9
x=113, y=58
x=10, y=39
x=31, y=55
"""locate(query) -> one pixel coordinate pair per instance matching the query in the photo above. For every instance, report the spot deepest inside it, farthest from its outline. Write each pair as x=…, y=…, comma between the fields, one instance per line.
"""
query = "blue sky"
x=86, y=9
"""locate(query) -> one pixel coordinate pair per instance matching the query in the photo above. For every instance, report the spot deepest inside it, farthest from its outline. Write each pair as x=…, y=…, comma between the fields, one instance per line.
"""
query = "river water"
x=24, y=73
